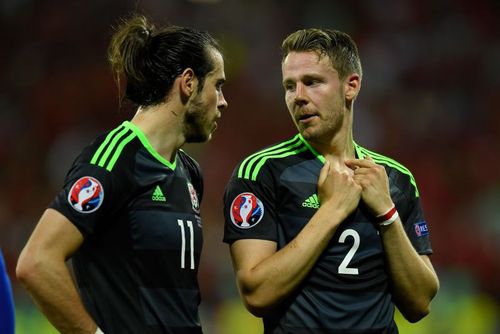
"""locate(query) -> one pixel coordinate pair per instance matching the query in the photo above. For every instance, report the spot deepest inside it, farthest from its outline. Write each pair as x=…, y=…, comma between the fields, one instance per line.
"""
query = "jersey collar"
x=145, y=142
x=321, y=158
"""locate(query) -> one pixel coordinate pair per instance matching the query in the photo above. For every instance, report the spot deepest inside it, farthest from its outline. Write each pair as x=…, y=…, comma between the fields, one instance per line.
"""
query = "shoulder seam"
x=382, y=159
x=110, y=149
x=251, y=166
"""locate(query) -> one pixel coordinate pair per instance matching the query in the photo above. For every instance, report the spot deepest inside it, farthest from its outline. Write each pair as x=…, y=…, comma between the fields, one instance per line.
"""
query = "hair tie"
x=145, y=34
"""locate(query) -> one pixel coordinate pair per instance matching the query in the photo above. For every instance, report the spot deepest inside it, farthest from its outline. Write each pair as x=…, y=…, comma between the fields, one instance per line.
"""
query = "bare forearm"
x=413, y=279
x=53, y=291
x=273, y=279
x=267, y=276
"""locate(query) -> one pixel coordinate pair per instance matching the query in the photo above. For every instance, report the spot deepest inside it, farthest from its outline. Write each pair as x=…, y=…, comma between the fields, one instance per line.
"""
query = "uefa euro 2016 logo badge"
x=246, y=210
x=86, y=195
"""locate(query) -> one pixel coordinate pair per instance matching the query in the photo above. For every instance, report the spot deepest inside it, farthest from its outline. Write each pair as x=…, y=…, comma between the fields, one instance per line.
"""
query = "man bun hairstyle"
x=150, y=59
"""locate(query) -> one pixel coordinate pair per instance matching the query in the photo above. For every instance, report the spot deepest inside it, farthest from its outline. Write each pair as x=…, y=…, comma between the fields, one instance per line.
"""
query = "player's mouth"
x=306, y=118
x=214, y=127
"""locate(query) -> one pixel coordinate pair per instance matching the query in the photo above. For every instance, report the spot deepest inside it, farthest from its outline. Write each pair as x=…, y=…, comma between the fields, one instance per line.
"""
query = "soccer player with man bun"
x=128, y=214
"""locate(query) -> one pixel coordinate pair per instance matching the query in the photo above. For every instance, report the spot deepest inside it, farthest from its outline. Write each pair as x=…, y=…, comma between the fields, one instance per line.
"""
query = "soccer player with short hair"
x=129, y=212
x=325, y=235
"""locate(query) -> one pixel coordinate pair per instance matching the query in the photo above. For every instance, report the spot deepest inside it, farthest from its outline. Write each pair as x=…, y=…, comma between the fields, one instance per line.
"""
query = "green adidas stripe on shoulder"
x=109, y=151
x=250, y=167
x=275, y=156
x=104, y=144
x=381, y=159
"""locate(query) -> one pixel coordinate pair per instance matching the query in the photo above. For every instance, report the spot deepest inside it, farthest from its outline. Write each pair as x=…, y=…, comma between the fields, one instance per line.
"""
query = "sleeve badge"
x=86, y=195
x=246, y=210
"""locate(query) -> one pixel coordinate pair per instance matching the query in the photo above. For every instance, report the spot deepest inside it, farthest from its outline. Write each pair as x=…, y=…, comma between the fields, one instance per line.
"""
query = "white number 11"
x=189, y=223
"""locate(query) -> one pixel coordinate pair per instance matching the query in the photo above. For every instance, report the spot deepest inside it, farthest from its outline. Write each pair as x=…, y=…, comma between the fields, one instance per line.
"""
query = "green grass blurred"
x=452, y=313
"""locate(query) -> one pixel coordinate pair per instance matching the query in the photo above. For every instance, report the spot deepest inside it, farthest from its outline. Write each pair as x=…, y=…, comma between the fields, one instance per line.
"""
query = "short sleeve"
x=249, y=210
x=87, y=197
x=415, y=225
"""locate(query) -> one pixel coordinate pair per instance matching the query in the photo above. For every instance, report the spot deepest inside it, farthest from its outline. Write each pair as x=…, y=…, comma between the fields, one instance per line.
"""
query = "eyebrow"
x=303, y=78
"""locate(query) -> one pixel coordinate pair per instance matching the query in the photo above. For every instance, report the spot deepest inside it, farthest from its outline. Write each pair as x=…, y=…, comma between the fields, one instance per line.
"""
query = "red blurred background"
x=430, y=99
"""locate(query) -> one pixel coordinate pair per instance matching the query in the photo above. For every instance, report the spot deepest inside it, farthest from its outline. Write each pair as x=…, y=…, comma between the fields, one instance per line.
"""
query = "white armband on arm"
x=99, y=331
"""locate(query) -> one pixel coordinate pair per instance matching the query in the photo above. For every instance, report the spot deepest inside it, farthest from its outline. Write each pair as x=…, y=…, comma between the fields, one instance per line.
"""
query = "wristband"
x=99, y=331
x=388, y=218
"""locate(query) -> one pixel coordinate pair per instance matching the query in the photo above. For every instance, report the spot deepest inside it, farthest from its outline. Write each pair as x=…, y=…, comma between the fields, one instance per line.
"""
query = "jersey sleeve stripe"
x=119, y=150
x=247, y=163
x=392, y=163
x=112, y=146
x=275, y=156
x=104, y=144
x=261, y=157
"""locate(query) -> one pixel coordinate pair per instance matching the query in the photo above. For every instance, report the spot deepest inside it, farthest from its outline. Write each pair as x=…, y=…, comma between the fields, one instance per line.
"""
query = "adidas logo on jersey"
x=311, y=202
x=158, y=195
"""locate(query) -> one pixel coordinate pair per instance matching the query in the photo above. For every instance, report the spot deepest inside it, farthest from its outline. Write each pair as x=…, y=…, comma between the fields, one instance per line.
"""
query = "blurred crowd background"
x=430, y=99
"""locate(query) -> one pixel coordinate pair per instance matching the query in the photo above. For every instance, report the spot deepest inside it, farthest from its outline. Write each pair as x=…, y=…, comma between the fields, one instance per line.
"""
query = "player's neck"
x=162, y=126
x=340, y=150
x=338, y=147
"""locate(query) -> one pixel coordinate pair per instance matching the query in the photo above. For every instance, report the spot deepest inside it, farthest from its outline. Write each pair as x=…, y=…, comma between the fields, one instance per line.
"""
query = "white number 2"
x=183, y=245
x=343, y=268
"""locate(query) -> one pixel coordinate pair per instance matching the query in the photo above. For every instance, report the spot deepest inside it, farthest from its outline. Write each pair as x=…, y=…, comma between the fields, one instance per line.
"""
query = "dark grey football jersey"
x=272, y=194
x=139, y=213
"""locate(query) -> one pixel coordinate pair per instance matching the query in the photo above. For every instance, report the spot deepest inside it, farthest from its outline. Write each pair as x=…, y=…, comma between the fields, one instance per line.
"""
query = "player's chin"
x=306, y=132
x=212, y=129
x=208, y=137
x=209, y=133
x=200, y=137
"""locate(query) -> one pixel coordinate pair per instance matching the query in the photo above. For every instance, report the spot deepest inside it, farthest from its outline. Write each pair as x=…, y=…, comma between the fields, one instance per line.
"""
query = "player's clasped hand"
x=338, y=188
x=374, y=183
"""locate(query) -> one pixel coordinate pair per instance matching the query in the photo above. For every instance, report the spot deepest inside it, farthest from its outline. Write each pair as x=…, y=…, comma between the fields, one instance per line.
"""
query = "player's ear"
x=352, y=86
x=188, y=82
